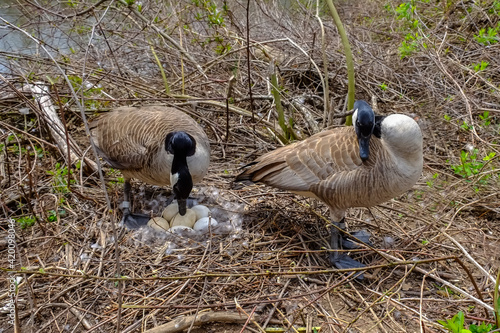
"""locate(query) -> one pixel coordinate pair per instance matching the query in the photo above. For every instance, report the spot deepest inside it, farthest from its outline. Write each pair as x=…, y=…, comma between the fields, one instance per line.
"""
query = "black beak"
x=182, y=206
x=364, y=147
x=182, y=189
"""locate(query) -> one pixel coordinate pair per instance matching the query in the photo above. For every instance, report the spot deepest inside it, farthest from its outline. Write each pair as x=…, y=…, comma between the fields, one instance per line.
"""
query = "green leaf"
x=455, y=324
x=489, y=157
x=483, y=328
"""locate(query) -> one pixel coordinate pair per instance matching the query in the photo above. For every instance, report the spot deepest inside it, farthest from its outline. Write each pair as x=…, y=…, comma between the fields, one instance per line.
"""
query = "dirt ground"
x=76, y=269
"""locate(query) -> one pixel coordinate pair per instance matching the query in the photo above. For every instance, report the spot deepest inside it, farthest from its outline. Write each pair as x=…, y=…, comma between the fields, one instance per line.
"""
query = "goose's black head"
x=181, y=145
x=364, y=125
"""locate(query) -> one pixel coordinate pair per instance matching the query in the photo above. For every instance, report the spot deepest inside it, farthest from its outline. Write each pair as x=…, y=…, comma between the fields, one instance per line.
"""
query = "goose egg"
x=187, y=220
x=201, y=211
x=170, y=211
x=203, y=223
x=158, y=223
x=180, y=229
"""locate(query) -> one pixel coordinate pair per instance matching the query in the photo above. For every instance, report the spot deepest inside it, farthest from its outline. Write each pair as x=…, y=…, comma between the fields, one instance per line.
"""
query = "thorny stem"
x=114, y=228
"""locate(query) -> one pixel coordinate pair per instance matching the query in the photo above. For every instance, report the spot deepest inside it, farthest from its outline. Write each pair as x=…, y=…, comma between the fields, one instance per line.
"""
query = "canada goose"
x=379, y=158
x=158, y=145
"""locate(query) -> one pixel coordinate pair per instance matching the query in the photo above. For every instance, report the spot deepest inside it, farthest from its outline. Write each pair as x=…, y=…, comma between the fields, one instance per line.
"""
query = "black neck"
x=181, y=145
x=377, y=130
x=184, y=181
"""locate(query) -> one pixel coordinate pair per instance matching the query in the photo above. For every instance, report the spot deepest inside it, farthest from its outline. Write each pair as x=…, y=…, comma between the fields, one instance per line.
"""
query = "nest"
x=74, y=268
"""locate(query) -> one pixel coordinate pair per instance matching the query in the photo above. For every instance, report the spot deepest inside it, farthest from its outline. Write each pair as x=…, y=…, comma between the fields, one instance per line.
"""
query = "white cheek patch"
x=174, y=178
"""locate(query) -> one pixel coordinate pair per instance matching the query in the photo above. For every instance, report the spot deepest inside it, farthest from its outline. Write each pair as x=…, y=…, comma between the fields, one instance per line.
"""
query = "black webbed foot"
x=339, y=241
x=343, y=261
x=135, y=221
x=361, y=235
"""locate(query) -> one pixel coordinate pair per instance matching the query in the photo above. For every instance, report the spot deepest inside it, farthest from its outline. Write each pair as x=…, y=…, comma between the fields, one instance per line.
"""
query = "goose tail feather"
x=247, y=174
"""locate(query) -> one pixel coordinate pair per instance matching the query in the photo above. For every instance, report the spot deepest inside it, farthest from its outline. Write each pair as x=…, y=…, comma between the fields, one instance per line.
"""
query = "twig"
x=421, y=315
x=117, y=252
x=448, y=284
x=472, y=260
x=229, y=96
x=83, y=12
x=164, y=35
x=200, y=274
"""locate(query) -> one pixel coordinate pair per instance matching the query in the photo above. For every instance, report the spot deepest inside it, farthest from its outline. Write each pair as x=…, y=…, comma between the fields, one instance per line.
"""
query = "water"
x=56, y=38
x=12, y=41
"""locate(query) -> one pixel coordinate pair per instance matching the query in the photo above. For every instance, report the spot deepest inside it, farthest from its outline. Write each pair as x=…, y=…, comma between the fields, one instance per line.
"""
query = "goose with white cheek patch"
x=364, y=165
x=157, y=145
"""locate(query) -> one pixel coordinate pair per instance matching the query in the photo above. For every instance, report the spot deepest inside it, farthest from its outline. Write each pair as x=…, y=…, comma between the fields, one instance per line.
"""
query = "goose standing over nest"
x=377, y=159
x=158, y=145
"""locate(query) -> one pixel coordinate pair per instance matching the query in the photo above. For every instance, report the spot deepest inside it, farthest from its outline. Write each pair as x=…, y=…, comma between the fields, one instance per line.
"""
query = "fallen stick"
x=182, y=323
x=41, y=93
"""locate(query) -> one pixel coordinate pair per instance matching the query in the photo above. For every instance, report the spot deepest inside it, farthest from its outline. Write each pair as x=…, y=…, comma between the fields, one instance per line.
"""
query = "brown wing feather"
x=301, y=165
x=363, y=186
x=128, y=137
